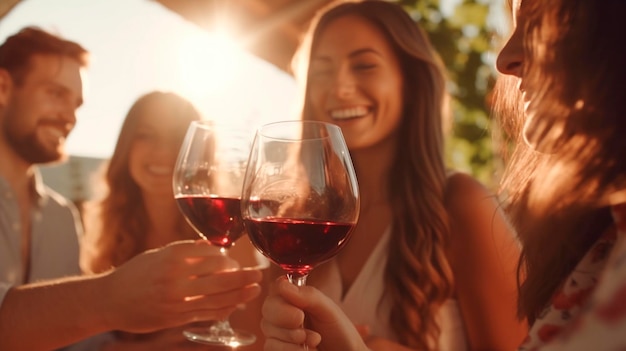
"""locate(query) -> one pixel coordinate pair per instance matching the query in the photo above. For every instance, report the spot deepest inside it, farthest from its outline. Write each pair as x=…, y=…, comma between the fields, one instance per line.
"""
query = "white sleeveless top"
x=361, y=302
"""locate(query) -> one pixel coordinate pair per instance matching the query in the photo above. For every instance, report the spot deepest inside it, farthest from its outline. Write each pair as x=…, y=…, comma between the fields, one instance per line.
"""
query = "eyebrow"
x=365, y=51
x=353, y=54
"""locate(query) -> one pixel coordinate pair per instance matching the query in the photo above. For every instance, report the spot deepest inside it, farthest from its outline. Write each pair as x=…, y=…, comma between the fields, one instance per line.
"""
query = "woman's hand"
x=284, y=315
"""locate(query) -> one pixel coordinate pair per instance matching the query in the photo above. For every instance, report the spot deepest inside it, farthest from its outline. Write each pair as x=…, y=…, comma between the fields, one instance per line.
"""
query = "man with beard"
x=44, y=302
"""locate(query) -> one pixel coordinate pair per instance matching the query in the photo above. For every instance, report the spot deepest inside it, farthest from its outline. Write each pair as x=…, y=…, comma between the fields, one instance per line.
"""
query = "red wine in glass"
x=300, y=196
x=298, y=245
x=207, y=183
x=216, y=219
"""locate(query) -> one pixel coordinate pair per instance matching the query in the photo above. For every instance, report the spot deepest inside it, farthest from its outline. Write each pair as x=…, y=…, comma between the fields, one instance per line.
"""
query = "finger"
x=232, y=279
x=289, y=335
x=200, y=315
x=289, y=315
x=273, y=288
x=192, y=258
x=310, y=300
x=293, y=294
x=278, y=345
x=229, y=299
x=191, y=248
x=203, y=266
x=364, y=331
x=313, y=339
x=220, y=282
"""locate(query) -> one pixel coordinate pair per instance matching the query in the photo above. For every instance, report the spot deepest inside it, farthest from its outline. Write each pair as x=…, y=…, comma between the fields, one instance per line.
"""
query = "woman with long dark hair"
x=566, y=180
x=565, y=185
x=431, y=262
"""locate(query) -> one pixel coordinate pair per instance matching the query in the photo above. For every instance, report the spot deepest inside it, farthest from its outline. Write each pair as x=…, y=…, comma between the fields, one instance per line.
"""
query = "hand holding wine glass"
x=207, y=184
x=300, y=197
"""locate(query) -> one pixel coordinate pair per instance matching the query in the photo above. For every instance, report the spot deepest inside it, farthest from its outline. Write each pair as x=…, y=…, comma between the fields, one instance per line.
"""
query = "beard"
x=30, y=148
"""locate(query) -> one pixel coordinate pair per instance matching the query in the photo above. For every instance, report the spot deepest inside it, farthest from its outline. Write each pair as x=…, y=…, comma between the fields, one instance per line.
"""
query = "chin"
x=45, y=157
x=540, y=136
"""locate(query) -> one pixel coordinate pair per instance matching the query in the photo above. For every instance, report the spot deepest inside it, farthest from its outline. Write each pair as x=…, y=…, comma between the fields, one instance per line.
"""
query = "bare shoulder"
x=483, y=255
x=464, y=193
x=475, y=213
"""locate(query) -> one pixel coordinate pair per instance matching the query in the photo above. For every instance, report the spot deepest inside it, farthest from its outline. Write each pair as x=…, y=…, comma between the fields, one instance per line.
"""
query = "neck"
x=372, y=166
x=16, y=171
x=162, y=213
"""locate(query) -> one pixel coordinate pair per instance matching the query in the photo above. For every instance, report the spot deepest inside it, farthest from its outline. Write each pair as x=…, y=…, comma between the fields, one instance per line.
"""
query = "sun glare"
x=208, y=63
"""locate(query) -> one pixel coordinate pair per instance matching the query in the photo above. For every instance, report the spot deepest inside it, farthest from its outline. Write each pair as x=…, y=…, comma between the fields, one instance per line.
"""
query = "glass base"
x=230, y=338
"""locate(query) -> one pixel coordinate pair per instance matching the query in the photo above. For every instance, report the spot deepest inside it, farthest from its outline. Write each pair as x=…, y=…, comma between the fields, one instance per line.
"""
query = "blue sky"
x=138, y=46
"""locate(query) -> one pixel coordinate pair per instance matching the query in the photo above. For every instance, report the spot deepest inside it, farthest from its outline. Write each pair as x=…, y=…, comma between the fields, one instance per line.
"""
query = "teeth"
x=52, y=130
x=347, y=113
x=55, y=133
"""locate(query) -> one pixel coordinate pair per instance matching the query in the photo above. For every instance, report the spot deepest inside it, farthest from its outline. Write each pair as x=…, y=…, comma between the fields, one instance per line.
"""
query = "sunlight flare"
x=208, y=63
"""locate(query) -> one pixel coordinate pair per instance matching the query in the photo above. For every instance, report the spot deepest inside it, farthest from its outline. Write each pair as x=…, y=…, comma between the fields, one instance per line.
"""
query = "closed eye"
x=365, y=66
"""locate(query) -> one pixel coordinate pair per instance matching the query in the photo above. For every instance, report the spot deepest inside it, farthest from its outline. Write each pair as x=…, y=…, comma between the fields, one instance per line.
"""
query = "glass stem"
x=297, y=279
x=223, y=328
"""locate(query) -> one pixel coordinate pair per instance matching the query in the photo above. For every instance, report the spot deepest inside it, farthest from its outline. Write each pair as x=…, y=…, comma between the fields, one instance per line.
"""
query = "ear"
x=6, y=85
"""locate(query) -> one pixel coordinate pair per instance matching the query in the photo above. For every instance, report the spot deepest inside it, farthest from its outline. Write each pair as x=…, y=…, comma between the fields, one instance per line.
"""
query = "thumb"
x=309, y=299
x=364, y=331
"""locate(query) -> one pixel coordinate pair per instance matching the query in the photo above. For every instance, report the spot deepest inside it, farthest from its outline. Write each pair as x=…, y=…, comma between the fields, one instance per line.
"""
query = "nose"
x=68, y=116
x=345, y=85
x=511, y=58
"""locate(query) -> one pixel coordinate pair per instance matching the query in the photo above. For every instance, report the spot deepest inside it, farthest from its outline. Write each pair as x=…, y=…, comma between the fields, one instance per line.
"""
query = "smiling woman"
x=137, y=211
x=137, y=184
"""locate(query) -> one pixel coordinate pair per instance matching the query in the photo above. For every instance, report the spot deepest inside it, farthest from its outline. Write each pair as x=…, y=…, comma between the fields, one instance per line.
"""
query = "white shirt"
x=363, y=303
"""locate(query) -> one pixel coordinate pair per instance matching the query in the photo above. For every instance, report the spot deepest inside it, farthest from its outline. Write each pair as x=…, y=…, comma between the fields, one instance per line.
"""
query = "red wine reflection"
x=298, y=245
x=217, y=219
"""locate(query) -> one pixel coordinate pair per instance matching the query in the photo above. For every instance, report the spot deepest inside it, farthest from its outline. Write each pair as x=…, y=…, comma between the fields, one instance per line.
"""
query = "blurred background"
x=231, y=59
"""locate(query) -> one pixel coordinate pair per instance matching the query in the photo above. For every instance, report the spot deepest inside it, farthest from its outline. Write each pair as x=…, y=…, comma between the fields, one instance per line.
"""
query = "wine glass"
x=207, y=184
x=300, y=198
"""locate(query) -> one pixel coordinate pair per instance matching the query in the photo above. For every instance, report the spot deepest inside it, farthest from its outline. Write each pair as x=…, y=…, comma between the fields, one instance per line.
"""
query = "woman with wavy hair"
x=566, y=180
x=136, y=210
x=430, y=264
x=565, y=184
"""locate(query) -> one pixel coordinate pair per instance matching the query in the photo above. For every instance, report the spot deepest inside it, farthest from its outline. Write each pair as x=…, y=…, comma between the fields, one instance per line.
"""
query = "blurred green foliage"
x=463, y=39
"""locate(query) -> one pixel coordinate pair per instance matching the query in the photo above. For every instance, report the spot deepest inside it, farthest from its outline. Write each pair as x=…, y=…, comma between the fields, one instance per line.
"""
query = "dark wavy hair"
x=17, y=50
x=418, y=275
x=559, y=188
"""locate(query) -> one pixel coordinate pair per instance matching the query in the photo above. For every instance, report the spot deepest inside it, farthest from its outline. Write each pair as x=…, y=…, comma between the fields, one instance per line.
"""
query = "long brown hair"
x=117, y=224
x=558, y=188
x=418, y=275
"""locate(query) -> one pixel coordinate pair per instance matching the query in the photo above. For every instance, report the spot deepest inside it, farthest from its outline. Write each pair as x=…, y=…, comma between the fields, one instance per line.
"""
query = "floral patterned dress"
x=588, y=311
